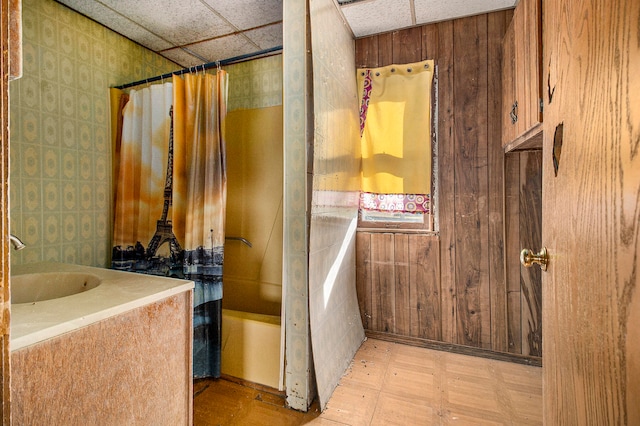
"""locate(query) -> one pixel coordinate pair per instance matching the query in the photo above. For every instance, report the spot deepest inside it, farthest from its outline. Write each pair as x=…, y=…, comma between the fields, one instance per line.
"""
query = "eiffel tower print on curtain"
x=147, y=260
x=164, y=230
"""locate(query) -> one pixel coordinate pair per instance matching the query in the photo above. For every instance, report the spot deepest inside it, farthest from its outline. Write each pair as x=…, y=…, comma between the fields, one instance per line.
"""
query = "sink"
x=32, y=288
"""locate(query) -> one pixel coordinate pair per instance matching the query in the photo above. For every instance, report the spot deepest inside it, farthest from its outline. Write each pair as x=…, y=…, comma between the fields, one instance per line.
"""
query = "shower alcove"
x=252, y=273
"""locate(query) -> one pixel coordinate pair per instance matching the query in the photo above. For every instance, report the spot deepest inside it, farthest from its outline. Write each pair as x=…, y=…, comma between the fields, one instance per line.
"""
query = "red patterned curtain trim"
x=407, y=203
x=366, y=94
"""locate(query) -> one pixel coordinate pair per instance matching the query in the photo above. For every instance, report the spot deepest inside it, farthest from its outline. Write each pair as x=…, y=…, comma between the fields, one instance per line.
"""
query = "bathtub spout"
x=16, y=243
x=240, y=239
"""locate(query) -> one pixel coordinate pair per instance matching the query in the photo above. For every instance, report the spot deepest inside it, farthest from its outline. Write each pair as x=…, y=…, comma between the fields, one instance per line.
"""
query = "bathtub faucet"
x=16, y=243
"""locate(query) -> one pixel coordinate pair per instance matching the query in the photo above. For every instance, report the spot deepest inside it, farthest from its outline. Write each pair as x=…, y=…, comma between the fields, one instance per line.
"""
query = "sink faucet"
x=16, y=243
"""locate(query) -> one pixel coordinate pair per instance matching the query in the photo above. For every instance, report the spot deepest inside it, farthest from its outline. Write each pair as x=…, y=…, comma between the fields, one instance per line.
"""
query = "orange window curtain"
x=396, y=129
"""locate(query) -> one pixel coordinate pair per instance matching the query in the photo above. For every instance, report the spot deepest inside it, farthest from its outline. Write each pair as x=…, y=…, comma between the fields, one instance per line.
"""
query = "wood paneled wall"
x=523, y=225
x=460, y=281
x=399, y=283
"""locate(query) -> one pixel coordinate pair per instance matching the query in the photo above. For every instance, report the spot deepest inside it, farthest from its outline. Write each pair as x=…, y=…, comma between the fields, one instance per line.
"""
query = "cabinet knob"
x=514, y=112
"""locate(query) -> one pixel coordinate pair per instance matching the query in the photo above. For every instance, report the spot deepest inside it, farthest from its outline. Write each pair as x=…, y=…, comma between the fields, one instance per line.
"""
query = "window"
x=397, y=117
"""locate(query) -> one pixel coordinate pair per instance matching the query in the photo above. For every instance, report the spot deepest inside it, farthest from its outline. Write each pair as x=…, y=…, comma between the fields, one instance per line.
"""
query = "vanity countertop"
x=119, y=292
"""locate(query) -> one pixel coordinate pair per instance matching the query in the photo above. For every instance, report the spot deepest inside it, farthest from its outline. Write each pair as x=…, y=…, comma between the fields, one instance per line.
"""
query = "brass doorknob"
x=528, y=258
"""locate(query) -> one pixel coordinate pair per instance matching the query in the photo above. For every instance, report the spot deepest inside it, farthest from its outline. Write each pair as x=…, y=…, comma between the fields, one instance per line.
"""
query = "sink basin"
x=32, y=288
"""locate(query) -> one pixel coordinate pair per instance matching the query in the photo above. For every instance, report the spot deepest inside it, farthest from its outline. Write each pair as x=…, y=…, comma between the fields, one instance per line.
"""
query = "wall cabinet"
x=522, y=78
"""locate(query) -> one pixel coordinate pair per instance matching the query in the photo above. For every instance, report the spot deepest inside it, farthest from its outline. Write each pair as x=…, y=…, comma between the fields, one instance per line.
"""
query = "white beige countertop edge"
x=119, y=292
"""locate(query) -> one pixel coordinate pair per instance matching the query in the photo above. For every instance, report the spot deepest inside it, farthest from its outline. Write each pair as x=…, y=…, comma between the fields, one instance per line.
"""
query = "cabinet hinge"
x=541, y=105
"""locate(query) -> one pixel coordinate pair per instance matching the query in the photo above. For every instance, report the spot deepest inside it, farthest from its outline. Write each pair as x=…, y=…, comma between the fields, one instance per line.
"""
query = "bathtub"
x=251, y=341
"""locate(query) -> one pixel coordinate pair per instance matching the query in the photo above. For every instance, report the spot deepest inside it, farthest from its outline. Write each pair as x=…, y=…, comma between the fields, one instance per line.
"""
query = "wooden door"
x=591, y=213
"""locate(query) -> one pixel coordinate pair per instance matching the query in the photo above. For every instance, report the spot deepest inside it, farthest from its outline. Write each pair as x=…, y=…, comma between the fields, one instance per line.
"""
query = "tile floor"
x=392, y=384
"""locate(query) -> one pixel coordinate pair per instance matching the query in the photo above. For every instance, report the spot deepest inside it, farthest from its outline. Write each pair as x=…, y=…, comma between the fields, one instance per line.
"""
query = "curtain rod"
x=203, y=67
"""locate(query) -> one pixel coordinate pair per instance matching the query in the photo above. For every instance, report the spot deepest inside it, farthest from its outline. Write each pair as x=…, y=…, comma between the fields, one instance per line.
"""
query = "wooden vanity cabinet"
x=522, y=78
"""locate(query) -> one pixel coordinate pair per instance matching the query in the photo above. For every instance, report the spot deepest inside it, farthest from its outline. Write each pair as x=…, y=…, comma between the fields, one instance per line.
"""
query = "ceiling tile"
x=245, y=14
x=118, y=23
x=224, y=47
x=181, y=57
x=440, y=10
x=178, y=22
x=266, y=37
x=377, y=16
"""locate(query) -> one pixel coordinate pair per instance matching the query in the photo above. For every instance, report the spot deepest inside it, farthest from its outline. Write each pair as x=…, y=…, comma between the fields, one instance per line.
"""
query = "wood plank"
x=530, y=139
x=367, y=52
x=482, y=119
x=470, y=92
x=363, y=276
x=425, y=287
x=512, y=251
x=446, y=180
x=385, y=49
x=531, y=237
x=403, y=284
x=382, y=283
x=430, y=42
x=496, y=26
x=407, y=45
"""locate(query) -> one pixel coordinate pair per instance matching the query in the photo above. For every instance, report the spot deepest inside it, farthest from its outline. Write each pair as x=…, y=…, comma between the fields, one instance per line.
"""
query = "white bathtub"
x=251, y=342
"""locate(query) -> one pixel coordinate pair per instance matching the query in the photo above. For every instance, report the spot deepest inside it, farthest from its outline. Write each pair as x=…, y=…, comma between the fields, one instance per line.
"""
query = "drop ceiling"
x=192, y=32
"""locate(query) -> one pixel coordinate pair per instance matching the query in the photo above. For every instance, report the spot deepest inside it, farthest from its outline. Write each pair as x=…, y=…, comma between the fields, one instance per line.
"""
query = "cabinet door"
x=509, y=126
x=522, y=77
x=529, y=66
x=521, y=59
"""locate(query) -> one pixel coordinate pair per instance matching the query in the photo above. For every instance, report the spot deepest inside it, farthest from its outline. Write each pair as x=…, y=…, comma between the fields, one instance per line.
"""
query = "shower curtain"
x=170, y=194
